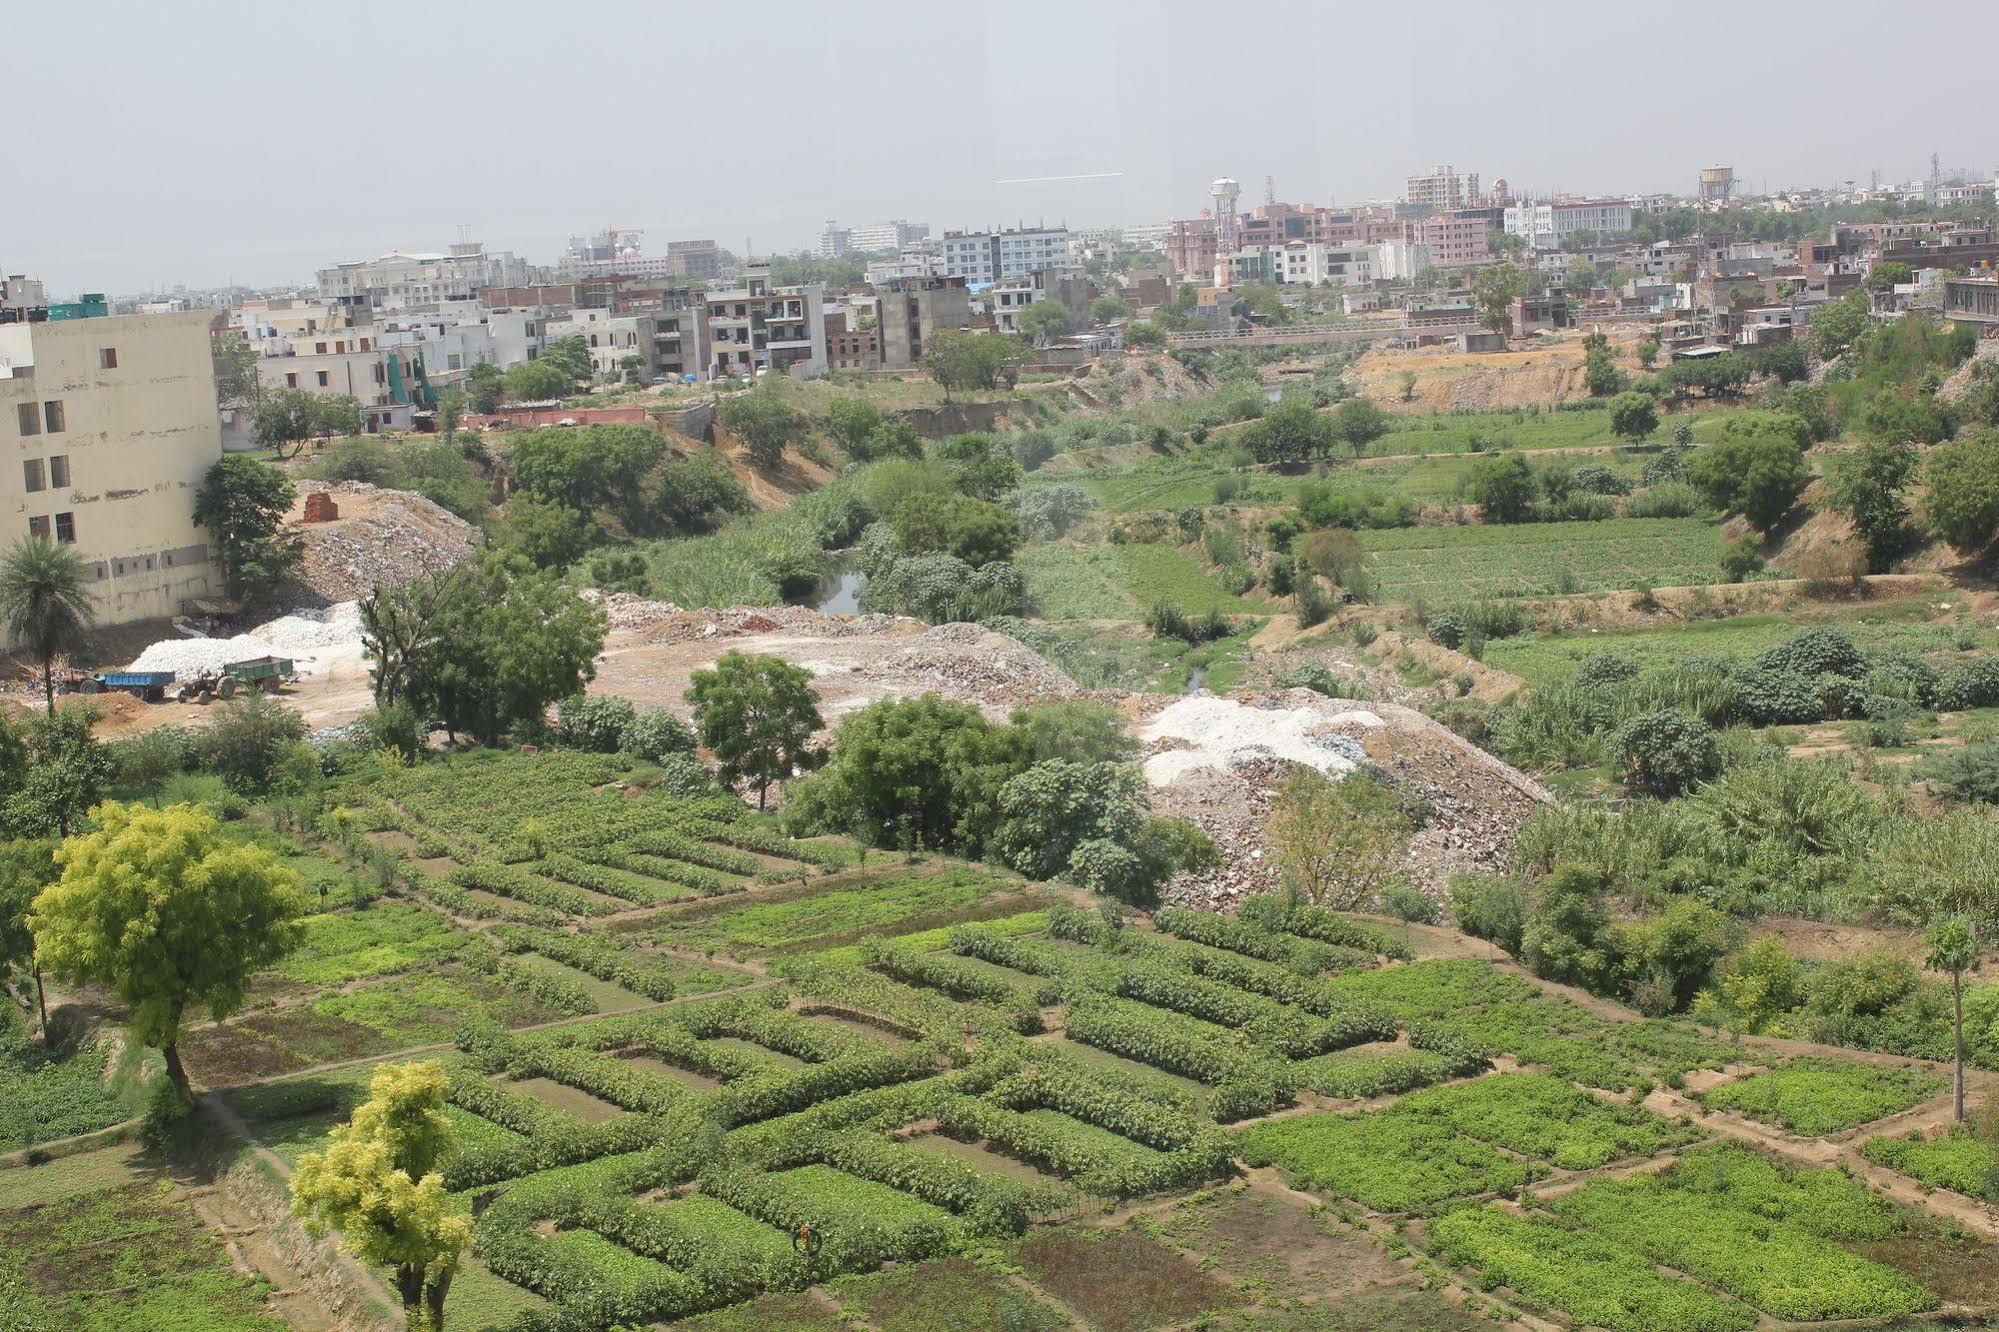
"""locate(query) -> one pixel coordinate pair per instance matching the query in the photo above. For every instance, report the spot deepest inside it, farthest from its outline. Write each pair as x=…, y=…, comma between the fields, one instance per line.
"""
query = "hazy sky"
x=201, y=141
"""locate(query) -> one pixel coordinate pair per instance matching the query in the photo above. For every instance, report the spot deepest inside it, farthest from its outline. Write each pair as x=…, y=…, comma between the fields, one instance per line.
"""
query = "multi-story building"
x=1401, y=260
x=114, y=426
x=336, y=350
x=875, y=238
x=848, y=345
x=400, y=279
x=610, y=339
x=981, y=257
x=695, y=258
x=1445, y=187
x=759, y=326
x=1546, y=226
x=1190, y=248
x=909, y=310
x=1454, y=239
x=1009, y=297
x=1312, y=264
x=915, y=264
x=1146, y=235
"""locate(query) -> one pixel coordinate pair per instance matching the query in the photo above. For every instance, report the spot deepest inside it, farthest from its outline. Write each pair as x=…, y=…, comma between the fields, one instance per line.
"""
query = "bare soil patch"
x=558, y=1096
x=1122, y=1282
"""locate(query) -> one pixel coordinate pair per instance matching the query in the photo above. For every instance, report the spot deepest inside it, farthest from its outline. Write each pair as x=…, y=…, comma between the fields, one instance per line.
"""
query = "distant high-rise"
x=1228, y=224
x=1445, y=187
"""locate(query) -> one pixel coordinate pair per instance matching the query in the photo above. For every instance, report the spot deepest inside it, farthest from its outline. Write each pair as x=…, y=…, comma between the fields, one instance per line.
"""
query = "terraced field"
x=1444, y=564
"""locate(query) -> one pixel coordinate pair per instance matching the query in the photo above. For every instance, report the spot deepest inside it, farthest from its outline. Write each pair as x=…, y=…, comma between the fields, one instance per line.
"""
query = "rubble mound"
x=1219, y=761
x=382, y=538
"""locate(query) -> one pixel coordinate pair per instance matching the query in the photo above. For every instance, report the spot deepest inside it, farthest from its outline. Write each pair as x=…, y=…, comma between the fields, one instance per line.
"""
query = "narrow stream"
x=840, y=594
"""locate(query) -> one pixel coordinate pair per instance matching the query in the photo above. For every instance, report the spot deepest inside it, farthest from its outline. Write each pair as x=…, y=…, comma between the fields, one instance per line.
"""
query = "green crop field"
x=1444, y=564
x=937, y=1067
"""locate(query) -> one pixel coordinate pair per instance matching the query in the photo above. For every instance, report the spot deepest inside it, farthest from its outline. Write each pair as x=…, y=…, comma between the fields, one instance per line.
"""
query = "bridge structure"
x=1292, y=334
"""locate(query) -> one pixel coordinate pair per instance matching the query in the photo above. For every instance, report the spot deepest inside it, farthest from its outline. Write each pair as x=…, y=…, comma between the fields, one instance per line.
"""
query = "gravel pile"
x=191, y=656
x=383, y=538
x=663, y=622
x=309, y=631
x=626, y=611
x=1218, y=762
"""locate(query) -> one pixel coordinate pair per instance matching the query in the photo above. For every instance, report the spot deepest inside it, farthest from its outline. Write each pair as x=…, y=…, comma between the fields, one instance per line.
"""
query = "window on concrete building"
x=291, y=380
x=53, y=417
x=319, y=349
x=39, y=527
x=59, y=471
x=107, y=358
x=31, y=475
x=30, y=415
x=323, y=379
x=65, y=529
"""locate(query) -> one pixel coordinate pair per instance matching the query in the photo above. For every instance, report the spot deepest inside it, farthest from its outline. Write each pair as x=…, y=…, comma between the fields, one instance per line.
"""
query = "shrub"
x=1409, y=904
x=247, y=743
x=1492, y=907
x=1669, y=499
x=654, y=734
x=1603, y=667
x=1777, y=698
x=1596, y=479
x=595, y=722
x=1969, y=773
x=1970, y=684
x=1671, y=464
x=1664, y=753
x=1816, y=652
x=1743, y=559
x=1568, y=935
x=1447, y=629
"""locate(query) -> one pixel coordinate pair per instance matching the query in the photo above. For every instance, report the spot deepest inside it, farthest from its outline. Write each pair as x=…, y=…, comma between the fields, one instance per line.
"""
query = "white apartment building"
x=337, y=350
x=1147, y=235
x=400, y=278
x=1546, y=226
x=114, y=426
x=610, y=338
x=1445, y=187
x=982, y=257
x=1402, y=260
x=1311, y=264
x=914, y=264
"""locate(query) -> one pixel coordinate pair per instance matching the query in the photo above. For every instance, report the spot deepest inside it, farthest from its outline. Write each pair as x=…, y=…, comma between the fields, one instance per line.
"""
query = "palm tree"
x=45, y=603
x=1950, y=944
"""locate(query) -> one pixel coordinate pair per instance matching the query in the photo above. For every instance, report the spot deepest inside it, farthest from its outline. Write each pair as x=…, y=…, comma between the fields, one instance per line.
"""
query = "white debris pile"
x=312, y=631
x=626, y=611
x=1221, y=734
x=187, y=657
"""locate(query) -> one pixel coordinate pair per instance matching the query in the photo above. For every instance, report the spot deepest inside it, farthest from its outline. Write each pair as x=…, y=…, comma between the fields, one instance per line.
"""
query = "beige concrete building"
x=111, y=426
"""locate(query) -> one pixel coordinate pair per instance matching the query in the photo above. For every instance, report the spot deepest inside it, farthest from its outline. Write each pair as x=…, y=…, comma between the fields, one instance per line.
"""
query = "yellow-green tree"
x=377, y=1183
x=155, y=905
x=1338, y=843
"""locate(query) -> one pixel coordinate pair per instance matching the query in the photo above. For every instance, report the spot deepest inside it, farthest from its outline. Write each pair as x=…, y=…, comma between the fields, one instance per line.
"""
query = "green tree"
x=450, y=411
x=1503, y=486
x=1897, y=417
x=963, y=362
x=1950, y=945
x=589, y=468
x=1882, y=277
x=236, y=381
x=483, y=647
x=1494, y=289
x=1338, y=843
x=1600, y=374
x=170, y=915
x=689, y=496
x=56, y=770
x=27, y=865
x=379, y=1184
x=971, y=529
x=1109, y=309
x=758, y=715
x=571, y=357
x=1758, y=470
x=1867, y=487
x=1292, y=430
x=895, y=438
x=1962, y=506
x=242, y=503
x=763, y=425
x=485, y=383
x=1837, y=326
x=630, y=364
x=1360, y=423
x=45, y=603
x=1076, y=730
x=549, y=535
x=1648, y=352
x=1505, y=243
x=248, y=740
x=1044, y=320
x=1569, y=937
x=537, y=381
x=1633, y=416
x=916, y=772
x=852, y=422
x=285, y=418
x=1146, y=335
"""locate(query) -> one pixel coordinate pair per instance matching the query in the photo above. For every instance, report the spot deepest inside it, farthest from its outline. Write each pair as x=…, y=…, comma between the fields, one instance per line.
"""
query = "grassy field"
x=1445, y=564
x=1911, y=624
x=1072, y=582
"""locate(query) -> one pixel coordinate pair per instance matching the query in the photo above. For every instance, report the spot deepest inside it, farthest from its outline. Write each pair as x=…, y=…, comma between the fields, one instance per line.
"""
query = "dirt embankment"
x=1541, y=373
